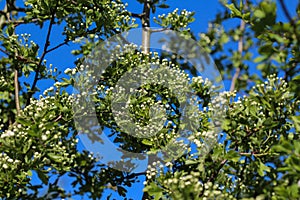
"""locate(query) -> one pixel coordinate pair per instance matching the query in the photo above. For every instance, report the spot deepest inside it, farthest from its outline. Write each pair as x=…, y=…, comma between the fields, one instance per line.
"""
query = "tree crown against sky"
x=252, y=152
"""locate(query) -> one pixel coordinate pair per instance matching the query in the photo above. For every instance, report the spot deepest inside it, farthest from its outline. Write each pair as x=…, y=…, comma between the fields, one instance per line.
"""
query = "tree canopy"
x=166, y=107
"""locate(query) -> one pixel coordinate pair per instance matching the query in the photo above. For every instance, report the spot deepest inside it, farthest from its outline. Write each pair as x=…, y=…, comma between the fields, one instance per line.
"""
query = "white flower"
x=57, y=84
x=8, y=133
x=44, y=137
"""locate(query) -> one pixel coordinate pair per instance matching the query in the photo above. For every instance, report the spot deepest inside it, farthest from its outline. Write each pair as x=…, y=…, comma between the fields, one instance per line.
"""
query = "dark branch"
x=59, y=45
x=133, y=175
x=214, y=175
x=286, y=12
x=240, y=50
x=137, y=15
x=20, y=9
x=46, y=45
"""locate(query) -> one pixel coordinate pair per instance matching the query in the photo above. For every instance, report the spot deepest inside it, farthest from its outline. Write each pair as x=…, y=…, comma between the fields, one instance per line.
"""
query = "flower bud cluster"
x=175, y=19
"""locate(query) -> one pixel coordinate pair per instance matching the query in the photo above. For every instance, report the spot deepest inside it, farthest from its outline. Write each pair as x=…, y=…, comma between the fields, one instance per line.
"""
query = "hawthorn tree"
x=256, y=155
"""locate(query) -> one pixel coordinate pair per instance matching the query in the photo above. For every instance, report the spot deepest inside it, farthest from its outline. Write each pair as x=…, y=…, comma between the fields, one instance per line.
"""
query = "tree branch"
x=19, y=22
x=286, y=12
x=8, y=8
x=289, y=17
x=257, y=154
x=16, y=84
x=46, y=45
x=6, y=12
x=57, y=46
x=159, y=30
x=214, y=175
x=240, y=50
x=133, y=175
x=146, y=24
x=137, y=15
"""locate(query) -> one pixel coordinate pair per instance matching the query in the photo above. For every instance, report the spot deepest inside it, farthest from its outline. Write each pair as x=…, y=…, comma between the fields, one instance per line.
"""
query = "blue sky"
x=62, y=58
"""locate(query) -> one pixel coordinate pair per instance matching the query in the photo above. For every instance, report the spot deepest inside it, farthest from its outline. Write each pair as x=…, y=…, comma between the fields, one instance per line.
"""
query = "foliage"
x=257, y=155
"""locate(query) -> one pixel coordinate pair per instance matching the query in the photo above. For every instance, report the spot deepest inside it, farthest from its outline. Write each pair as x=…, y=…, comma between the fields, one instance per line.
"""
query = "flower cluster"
x=41, y=134
x=116, y=17
x=175, y=20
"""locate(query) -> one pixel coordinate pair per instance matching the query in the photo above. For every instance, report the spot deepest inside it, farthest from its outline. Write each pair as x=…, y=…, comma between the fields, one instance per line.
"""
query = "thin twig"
x=4, y=22
x=59, y=45
x=9, y=6
x=240, y=50
x=289, y=17
x=159, y=30
x=257, y=154
x=20, y=22
x=46, y=45
x=16, y=84
x=214, y=175
x=286, y=12
x=58, y=118
x=133, y=175
x=137, y=15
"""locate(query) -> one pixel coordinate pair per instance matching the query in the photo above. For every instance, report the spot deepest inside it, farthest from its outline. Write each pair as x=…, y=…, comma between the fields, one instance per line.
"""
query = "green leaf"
x=147, y=142
x=285, y=147
x=295, y=163
x=55, y=157
x=296, y=120
x=27, y=146
x=10, y=30
x=259, y=14
x=155, y=191
x=260, y=59
x=191, y=162
x=233, y=156
x=44, y=177
x=29, y=172
x=234, y=11
x=24, y=121
x=226, y=124
x=262, y=168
